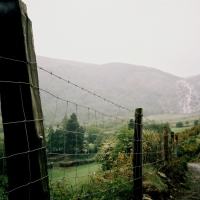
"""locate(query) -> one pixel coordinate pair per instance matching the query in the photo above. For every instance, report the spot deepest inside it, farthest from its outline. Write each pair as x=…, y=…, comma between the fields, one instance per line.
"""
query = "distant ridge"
x=129, y=85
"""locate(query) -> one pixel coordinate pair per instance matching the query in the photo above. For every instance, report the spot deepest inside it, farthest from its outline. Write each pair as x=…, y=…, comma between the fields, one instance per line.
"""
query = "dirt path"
x=194, y=182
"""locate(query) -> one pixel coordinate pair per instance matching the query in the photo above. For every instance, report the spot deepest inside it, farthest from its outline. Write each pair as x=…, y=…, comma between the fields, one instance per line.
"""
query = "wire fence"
x=90, y=154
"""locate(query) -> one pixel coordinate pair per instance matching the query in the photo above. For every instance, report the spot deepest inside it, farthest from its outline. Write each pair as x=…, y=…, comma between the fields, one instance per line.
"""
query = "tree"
x=92, y=133
x=50, y=140
x=74, y=135
x=187, y=122
x=55, y=140
x=66, y=139
x=196, y=122
x=64, y=121
x=179, y=124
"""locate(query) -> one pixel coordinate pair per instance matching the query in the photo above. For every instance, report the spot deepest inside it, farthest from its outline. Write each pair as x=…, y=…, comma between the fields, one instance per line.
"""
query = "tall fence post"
x=22, y=117
x=172, y=137
x=176, y=138
x=137, y=154
x=172, y=144
x=166, y=151
x=176, y=144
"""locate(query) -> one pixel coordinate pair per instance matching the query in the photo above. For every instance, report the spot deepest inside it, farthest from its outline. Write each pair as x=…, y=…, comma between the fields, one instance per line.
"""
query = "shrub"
x=196, y=122
x=176, y=170
x=179, y=124
x=155, y=127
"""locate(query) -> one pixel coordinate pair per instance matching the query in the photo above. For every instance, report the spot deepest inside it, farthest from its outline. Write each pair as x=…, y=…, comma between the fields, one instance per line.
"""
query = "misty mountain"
x=128, y=85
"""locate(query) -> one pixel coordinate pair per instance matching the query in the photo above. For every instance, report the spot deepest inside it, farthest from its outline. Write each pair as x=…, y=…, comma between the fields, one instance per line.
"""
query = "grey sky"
x=164, y=34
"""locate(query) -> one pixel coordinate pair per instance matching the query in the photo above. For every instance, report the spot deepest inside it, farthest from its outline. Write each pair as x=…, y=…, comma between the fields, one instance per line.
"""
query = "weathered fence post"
x=176, y=144
x=21, y=107
x=137, y=154
x=176, y=138
x=172, y=144
x=166, y=151
x=172, y=137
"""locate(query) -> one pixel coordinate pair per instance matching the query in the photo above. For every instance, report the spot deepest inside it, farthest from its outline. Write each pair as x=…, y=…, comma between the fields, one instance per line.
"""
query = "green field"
x=74, y=175
x=174, y=118
x=178, y=130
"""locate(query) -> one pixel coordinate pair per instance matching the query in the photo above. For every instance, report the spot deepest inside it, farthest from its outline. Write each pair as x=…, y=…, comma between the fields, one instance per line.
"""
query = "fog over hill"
x=128, y=85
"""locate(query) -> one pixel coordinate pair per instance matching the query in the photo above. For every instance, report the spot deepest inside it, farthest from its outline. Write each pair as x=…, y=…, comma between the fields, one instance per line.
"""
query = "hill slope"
x=131, y=86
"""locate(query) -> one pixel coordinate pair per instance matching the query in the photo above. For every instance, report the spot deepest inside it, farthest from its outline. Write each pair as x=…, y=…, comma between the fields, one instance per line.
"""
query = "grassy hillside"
x=128, y=85
x=131, y=86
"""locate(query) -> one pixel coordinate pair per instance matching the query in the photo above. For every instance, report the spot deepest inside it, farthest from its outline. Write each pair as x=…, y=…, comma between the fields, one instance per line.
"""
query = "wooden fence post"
x=176, y=138
x=166, y=151
x=172, y=137
x=22, y=117
x=172, y=144
x=176, y=144
x=137, y=154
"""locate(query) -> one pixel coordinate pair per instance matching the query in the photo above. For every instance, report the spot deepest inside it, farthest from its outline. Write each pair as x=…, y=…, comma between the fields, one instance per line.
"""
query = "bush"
x=157, y=127
x=196, y=122
x=111, y=149
x=179, y=124
x=176, y=170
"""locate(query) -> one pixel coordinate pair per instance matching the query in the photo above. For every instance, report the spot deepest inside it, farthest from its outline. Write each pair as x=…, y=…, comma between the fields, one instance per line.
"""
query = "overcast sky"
x=163, y=34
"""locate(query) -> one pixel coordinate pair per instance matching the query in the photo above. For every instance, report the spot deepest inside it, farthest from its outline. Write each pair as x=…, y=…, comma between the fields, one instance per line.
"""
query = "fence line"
x=70, y=142
x=150, y=158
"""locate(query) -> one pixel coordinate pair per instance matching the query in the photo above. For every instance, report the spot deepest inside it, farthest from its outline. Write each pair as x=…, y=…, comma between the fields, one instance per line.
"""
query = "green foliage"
x=101, y=187
x=104, y=155
x=189, y=149
x=110, y=149
x=92, y=133
x=94, y=136
x=92, y=148
x=179, y=124
x=157, y=127
x=196, y=122
x=153, y=184
x=189, y=143
x=68, y=138
x=74, y=135
x=131, y=124
x=187, y=122
x=176, y=170
x=115, y=180
x=124, y=140
x=3, y=172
